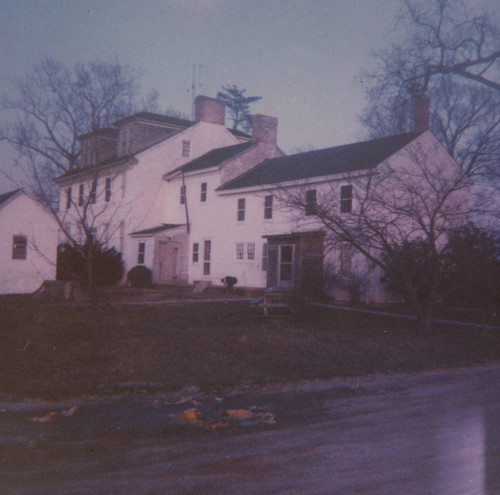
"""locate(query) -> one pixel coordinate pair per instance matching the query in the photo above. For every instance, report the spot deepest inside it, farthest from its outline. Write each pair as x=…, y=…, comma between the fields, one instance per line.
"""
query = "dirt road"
x=428, y=433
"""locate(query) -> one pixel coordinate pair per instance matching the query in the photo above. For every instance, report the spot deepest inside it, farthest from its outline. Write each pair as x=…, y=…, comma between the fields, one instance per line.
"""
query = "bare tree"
x=453, y=56
x=403, y=201
x=53, y=105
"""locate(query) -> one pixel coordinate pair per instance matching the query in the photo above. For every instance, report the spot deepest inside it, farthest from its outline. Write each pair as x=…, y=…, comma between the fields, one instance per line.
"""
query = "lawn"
x=61, y=351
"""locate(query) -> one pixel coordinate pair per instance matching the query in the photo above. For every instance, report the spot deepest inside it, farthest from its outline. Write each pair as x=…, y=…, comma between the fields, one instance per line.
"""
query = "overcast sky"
x=304, y=57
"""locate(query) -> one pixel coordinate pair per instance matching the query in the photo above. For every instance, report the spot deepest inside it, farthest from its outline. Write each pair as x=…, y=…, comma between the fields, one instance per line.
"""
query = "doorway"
x=168, y=258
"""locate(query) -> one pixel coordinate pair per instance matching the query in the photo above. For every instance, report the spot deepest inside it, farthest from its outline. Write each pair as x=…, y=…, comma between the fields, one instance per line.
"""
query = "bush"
x=75, y=262
x=473, y=276
x=139, y=277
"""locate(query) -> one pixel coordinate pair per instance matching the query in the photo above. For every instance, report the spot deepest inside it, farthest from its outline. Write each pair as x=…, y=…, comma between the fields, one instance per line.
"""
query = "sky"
x=304, y=57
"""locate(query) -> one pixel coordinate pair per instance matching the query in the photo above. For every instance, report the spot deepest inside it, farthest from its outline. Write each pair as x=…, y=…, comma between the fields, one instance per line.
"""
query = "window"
x=81, y=195
x=241, y=209
x=183, y=195
x=207, y=247
x=203, y=196
x=107, y=189
x=93, y=191
x=250, y=251
x=345, y=260
x=68, y=198
x=311, y=202
x=264, y=257
x=346, y=199
x=240, y=251
x=141, y=253
x=186, y=148
x=268, y=207
x=19, y=247
x=196, y=252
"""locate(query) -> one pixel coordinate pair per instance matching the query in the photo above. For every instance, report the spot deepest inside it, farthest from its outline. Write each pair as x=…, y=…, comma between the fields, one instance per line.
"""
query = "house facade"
x=28, y=244
x=196, y=201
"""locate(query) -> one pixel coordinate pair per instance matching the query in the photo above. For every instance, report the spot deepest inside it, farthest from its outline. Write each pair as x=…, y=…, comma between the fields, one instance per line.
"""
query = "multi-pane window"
x=93, y=192
x=250, y=250
x=19, y=247
x=241, y=209
x=141, y=253
x=186, y=148
x=81, y=195
x=207, y=248
x=68, y=198
x=346, y=199
x=183, y=195
x=264, y=257
x=240, y=251
x=107, y=189
x=196, y=252
x=268, y=207
x=311, y=202
x=203, y=196
x=345, y=260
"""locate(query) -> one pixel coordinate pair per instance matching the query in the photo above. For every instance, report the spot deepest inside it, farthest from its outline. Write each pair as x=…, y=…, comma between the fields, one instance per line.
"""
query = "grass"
x=62, y=351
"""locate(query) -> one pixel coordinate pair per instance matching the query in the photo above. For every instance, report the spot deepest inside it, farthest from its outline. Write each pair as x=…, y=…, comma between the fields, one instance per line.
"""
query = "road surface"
x=429, y=433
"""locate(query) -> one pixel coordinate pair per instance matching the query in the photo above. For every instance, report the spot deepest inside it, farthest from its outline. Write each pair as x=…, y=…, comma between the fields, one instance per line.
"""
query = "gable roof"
x=8, y=195
x=330, y=161
x=212, y=159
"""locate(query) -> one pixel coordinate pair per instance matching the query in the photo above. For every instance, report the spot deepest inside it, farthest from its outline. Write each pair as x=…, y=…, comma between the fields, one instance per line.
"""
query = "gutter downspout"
x=185, y=202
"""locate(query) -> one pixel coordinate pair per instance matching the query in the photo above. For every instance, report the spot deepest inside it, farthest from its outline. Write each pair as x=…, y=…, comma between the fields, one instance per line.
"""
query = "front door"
x=285, y=277
x=168, y=256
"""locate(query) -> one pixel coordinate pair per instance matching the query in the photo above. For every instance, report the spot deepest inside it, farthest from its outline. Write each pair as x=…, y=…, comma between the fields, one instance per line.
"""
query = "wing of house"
x=273, y=230
x=28, y=244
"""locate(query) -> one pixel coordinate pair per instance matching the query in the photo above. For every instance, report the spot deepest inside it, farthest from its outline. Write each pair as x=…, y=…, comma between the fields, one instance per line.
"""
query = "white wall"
x=23, y=216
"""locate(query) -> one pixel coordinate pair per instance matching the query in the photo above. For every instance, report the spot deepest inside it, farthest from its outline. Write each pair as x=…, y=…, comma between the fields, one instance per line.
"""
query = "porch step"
x=201, y=286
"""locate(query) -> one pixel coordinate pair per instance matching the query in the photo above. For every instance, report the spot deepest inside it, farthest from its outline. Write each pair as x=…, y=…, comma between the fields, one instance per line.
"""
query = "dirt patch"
x=56, y=352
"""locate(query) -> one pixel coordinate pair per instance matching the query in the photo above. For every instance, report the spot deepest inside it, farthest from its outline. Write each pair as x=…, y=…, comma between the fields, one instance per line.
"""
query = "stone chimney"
x=265, y=129
x=421, y=113
x=208, y=109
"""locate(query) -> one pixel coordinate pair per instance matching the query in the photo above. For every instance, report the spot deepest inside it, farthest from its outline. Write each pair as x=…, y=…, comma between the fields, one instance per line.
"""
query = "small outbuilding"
x=28, y=243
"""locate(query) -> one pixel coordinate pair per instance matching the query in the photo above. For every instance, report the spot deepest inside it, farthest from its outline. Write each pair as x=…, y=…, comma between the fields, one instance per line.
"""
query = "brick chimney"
x=421, y=113
x=208, y=109
x=265, y=129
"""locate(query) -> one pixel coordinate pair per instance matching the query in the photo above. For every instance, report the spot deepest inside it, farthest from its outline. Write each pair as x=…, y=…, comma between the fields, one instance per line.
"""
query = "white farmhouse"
x=28, y=243
x=195, y=201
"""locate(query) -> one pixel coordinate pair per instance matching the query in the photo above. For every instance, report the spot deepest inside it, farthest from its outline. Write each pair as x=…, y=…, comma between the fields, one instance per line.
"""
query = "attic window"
x=186, y=148
x=19, y=247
